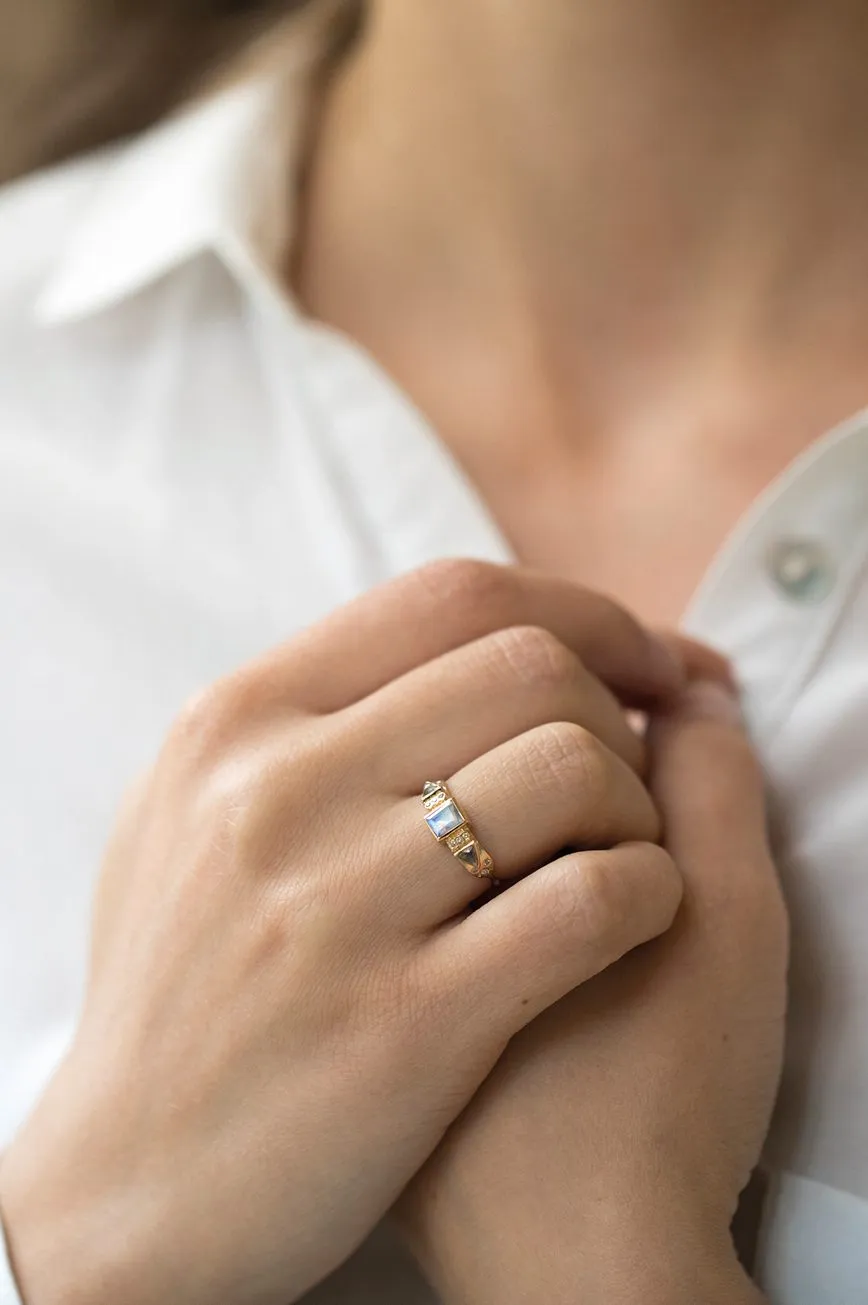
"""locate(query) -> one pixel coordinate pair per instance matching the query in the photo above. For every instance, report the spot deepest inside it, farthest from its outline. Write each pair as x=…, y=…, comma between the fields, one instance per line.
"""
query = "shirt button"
x=802, y=569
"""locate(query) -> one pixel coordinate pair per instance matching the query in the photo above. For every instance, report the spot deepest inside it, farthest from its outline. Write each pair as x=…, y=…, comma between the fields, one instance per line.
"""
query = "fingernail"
x=711, y=700
x=667, y=662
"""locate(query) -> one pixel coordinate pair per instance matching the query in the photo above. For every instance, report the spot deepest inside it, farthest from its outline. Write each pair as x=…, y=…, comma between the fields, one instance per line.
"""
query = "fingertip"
x=666, y=664
x=660, y=885
x=702, y=662
x=710, y=700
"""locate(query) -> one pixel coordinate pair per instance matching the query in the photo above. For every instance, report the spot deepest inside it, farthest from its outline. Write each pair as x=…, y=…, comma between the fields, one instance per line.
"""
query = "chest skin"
x=643, y=525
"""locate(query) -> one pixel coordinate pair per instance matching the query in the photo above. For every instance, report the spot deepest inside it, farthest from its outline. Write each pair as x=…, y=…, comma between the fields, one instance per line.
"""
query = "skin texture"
x=289, y=1002
x=636, y=232
x=621, y=1127
x=616, y=252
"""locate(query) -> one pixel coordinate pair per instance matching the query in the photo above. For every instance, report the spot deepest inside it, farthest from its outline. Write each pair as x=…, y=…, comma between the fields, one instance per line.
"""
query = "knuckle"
x=534, y=656
x=593, y=902
x=215, y=716
x=218, y=745
x=569, y=756
x=612, y=911
x=466, y=585
x=605, y=903
x=203, y=722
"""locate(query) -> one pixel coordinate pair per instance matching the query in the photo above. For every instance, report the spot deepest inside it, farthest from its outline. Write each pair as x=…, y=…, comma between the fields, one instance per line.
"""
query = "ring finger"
x=553, y=788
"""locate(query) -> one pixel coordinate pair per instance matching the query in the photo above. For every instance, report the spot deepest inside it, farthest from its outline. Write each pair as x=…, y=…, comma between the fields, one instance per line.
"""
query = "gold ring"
x=449, y=825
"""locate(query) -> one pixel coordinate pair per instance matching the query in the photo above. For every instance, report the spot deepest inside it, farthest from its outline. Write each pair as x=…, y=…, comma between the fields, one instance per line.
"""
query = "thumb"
x=708, y=784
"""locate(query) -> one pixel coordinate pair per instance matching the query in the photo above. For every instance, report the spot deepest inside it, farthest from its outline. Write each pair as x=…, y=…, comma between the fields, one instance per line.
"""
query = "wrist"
x=66, y=1215
x=49, y=1262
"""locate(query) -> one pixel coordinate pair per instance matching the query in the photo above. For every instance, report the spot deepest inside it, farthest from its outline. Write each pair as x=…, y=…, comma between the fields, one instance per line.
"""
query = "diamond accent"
x=459, y=839
x=433, y=794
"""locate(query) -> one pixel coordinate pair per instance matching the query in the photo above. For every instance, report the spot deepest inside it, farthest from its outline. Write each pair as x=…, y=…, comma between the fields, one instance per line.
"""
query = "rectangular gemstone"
x=446, y=818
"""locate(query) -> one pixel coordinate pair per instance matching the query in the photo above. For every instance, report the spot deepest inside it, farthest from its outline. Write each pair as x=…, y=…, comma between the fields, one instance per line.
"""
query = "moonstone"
x=446, y=818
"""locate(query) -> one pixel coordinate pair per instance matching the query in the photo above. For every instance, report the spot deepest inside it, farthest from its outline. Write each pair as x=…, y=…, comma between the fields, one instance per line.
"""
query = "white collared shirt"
x=190, y=471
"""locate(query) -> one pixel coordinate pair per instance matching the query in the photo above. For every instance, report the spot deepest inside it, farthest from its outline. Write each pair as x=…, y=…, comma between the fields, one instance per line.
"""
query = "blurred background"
x=75, y=74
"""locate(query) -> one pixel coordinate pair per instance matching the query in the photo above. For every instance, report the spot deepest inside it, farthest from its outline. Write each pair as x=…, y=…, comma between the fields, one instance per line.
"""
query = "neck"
x=622, y=191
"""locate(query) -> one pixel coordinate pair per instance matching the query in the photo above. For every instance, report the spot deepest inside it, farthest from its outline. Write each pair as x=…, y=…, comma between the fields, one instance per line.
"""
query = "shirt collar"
x=218, y=176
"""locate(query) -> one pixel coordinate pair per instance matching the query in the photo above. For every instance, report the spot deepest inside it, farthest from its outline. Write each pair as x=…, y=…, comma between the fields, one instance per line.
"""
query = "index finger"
x=418, y=617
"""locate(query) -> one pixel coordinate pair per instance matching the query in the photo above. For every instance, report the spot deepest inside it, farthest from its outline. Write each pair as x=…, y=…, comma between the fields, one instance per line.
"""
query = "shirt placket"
x=773, y=597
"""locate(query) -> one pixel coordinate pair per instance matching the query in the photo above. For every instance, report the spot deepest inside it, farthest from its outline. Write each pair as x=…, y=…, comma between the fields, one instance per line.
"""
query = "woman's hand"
x=289, y=1001
x=602, y=1161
